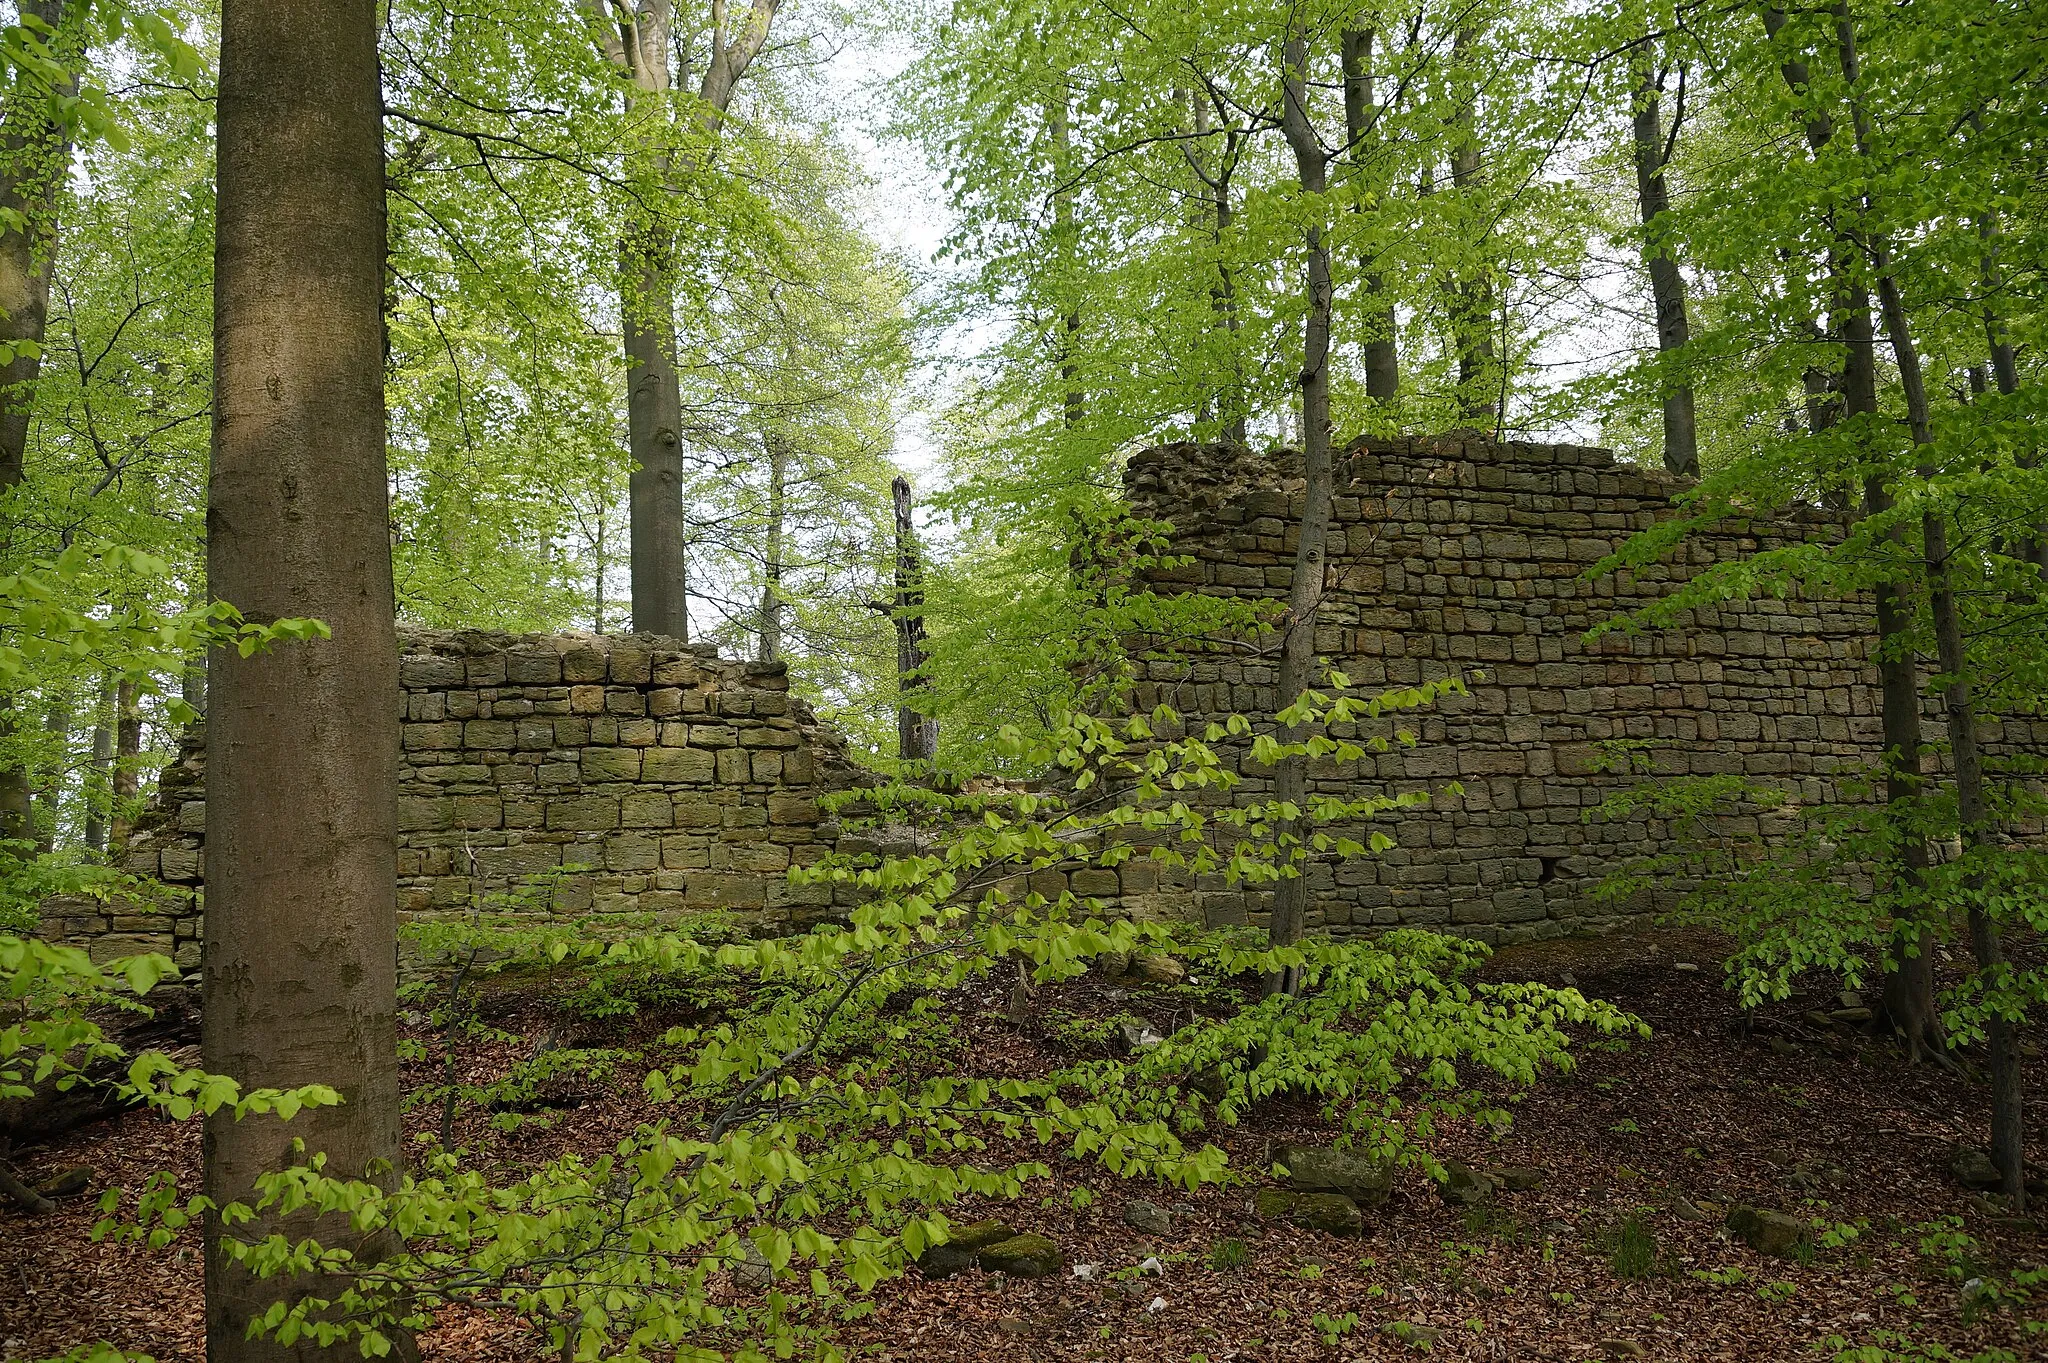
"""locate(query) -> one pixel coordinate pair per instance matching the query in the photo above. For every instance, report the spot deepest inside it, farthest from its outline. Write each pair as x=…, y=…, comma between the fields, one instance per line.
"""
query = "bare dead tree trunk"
x=300, y=953
x=1667, y=286
x=772, y=604
x=1973, y=806
x=917, y=735
x=1379, y=334
x=1305, y=591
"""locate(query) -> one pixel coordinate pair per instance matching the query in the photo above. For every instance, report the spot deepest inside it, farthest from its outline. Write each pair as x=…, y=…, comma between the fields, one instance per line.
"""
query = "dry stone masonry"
x=681, y=781
x=1459, y=556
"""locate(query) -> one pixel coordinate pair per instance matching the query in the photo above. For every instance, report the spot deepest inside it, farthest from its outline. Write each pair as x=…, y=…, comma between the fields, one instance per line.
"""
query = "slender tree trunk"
x=123, y=782
x=1305, y=591
x=637, y=37
x=1667, y=286
x=1973, y=806
x=771, y=553
x=1472, y=301
x=98, y=790
x=2032, y=546
x=302, y=761
x=1908, y=986
x=1215, y=176
x=35, y=154
x=50, y=796
x=1066, y=231
x=1379, y=335
x=917, y=735
x=97, y=772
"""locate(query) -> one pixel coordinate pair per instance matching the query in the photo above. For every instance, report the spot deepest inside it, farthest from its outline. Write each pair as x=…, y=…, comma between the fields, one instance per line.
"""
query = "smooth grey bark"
x=1305, y=589
x=917, y=735
x=1667, y=286
x=1908, y=983
x=772, y=604
x=1480, y=376
x=35, y=153
x=57, y=724
x=97, y=787
x=1378, y=346
x=124, y=779
x=638, y=47
x=300, y=948
x=1973, y=806
x=1066, y=230
x=1215, y=177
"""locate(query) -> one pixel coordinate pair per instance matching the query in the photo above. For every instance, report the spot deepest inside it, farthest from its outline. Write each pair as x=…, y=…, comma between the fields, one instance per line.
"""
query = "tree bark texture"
x=1908, y=986
x=1379, y=336
x=638, y=47
x=1214, y=175
x=917, y=735
x=1667, y=286
x=1305, y=591
x=1973, y=806
x=123, y=779
x=35, y=153
x=771, y=553
x=302, y=756
x=1480, y=399
x=98, y=787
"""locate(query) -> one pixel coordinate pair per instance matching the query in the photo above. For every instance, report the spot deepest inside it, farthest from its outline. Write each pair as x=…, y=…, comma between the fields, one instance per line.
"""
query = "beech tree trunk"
x=636, y=38
x=1305, y=590
x=98, y=788
x=917, y=735
x=771, y=554
x=1479, y=373
x=300, y=951
x=1379, y=335
x=1973, y=806
x=1908, y=985
x=122, y=783
x=35, y=154
x=1667, y=286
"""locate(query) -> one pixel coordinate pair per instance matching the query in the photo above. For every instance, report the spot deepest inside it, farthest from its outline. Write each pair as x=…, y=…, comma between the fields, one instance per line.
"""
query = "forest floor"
x=1606, y=1258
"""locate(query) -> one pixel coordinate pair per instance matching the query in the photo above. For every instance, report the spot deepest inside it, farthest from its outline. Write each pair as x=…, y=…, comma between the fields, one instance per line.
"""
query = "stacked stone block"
x=672, y=780
x=1457, y=556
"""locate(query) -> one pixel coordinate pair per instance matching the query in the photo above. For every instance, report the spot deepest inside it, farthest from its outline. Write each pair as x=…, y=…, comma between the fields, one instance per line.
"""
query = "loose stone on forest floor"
x=1149, y=1217
x=1771, y=1233
x=943, y=1261
x=1321, y=1169
x=1331, y=1213
x=1464, y=1186
x=1021, y=1256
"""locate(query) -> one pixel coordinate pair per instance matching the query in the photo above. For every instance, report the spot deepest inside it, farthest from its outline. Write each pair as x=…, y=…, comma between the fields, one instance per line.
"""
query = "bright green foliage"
x=825, y=1102
x=46, y=994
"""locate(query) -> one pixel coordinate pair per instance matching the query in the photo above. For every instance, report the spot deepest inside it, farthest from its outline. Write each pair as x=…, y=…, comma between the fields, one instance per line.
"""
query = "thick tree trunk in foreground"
x=301, y=945
x=1667, y=286
x=917, y=735
x=1481, y=401
x=1305, y=592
